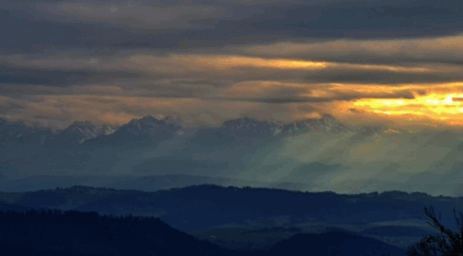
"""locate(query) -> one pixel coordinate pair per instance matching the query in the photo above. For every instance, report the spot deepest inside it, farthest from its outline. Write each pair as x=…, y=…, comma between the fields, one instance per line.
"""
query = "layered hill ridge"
x=54, y=232
x=330, y=218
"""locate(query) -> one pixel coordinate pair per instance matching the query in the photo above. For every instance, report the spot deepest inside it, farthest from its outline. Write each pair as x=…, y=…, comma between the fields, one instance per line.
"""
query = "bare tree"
x=448, y=243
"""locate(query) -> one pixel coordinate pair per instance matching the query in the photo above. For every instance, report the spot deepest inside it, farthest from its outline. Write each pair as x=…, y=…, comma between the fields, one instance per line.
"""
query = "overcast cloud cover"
x=393, y=62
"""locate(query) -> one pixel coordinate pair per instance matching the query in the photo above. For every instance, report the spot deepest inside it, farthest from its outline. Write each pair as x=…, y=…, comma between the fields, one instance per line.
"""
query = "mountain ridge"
x=82, y=127
x=315, y=153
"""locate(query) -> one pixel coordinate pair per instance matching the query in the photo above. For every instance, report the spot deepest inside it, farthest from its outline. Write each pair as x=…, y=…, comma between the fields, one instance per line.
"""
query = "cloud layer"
x=207, y=61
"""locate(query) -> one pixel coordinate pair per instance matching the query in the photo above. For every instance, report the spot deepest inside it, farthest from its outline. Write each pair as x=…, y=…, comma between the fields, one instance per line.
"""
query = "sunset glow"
x=309, y=95
x=212, y=61
x=438, y=106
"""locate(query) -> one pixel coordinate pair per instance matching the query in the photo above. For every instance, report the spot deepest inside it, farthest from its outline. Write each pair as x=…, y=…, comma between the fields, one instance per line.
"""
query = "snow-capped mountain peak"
x=23, y=132
x=149, y=125
x=172, y=120
x=80, y=125
x=147, y=120
x=370, y=130
x=326, y=123
x=331, y=124
x=392, y=131
x=14, y=128
x=247, y=124
x=108, y=129
x=87, y=130
x=329, y=119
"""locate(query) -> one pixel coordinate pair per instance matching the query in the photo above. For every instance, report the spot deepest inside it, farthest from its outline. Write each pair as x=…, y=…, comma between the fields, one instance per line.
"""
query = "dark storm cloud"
x=15, y=91
x=113, y=61
x=378, y=77
x=337, y=96
x=192, y=24
x=354, y=110
x=54, y=77
x=282, y=93
x=13, y=105
x=421, y=92
x=404, y=52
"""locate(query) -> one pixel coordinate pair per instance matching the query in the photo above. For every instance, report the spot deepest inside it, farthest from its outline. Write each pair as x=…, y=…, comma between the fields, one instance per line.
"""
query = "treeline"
x=53, y=232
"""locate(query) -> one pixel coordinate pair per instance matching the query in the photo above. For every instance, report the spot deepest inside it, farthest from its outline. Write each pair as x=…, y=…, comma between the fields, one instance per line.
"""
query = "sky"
x=365, y=62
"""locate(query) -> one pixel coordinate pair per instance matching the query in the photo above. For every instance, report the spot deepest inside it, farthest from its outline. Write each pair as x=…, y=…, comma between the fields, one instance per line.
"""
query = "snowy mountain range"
x=310, y=154
x=85, y=130
x=149, y=126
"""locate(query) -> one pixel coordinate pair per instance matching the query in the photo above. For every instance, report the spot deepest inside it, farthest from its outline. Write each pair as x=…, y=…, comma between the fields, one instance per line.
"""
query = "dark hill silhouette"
x=197, y=209
x=186, y=208
x=235, y=205
x=396, y=231
x=337, y=243
x=4, y=207
x=10, y=250
x=52, y=232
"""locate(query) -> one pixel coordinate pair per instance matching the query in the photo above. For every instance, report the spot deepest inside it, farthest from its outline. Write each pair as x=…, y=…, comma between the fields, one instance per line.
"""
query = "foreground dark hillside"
x=53, y=232
x=253, y=218
x=58, y=232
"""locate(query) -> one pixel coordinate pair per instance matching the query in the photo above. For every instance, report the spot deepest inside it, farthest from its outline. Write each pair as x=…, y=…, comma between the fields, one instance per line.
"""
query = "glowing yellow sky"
x=443, y=107
x=441, y=104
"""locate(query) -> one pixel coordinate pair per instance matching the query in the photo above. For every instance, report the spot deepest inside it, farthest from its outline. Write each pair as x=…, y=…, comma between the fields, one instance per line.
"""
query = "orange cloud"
x=221, y=86
x=223, y=62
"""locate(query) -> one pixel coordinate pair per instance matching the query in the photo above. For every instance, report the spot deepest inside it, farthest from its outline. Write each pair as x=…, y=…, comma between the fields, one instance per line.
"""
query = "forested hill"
x=59, y=233
x=54, y=232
